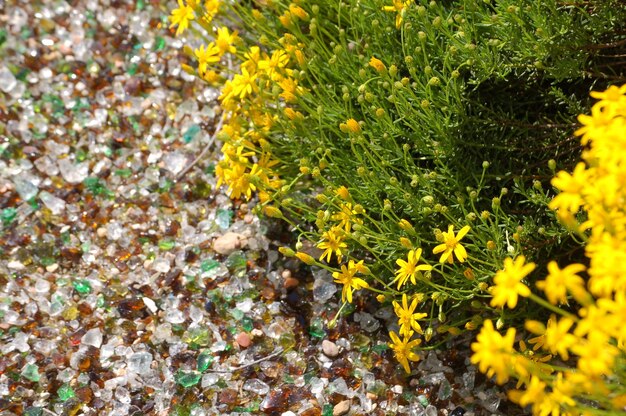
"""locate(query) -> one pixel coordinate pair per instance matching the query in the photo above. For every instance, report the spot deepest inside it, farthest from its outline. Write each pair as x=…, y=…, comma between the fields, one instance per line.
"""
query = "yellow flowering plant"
x=586, y=331
x=372, y=126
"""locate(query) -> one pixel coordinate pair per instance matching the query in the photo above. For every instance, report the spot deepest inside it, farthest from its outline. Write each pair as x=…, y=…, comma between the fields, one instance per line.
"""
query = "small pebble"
x=243, y=340
x=341, y=408
x=290, y=283
x=330, y=348
x=229, y=242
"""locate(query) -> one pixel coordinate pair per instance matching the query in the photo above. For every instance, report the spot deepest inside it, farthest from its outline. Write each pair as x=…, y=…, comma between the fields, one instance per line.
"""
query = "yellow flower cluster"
x=592, y=341
x=264, y=80
x=339, y=227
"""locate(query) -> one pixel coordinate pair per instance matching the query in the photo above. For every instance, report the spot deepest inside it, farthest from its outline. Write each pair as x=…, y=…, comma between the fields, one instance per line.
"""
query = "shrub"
x=578, y=361
x=412, y=143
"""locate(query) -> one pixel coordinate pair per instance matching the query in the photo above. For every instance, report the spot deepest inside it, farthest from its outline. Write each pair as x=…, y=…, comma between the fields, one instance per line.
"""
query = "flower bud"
x=377, y=64
x=406, y=243
x=406, y=226
x=286, y=251
x=428, y=334
x=273, y=212
x=305, y=258
x=499, y=323
x=469, y=274
x=552, y=164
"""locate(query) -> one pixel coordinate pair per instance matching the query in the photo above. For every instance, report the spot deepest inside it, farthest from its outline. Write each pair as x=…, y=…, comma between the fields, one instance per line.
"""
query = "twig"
x=276, y=352
x=206, y=149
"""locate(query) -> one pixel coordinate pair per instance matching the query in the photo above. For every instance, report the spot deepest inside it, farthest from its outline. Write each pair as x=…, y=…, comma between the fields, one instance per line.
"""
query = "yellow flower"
x=343, y=192
x=353, y=126
x=410, y=269
x=225, y=40
x=559, y=398
x=332, y=242
x=403, y=350
x=571, y=187
x=290, y=89
x=346, y=216
x=534, y=393
x=211, y=7
x=206, y=56
x=556, y=336
x=347, y=279
x=285, y=19
x=181, y=17
x=596, y=356
x=559, y=281
x=239, y=183
x=298, y=11
x=594, y=125
x=272, y=66
x=377, y=64
x=244, y=84
x=398, y=6
x=451, y=244
x=407, y=318
x=493, y=352
x=508, y=285
x=613, y=93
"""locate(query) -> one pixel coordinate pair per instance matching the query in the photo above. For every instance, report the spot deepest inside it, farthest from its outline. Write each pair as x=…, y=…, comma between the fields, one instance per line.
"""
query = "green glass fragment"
x=33, y=411
x=236, y=262
x=47, y=261
x=124, y=173
x=159, y=43
x=237, y=314
x=167, y=244
x=205, y=359
x=287, y=340
x=247, y=324
x=209, y=265
x=316, y=330
x=8, y=215
x=82, y=286
x=31, y=372
x=96, y=187
x=380, y=348
x=197, y=337
x=327, y=410
x=65, y=392
x=187, y=380
x=140, y=4
x=191, y=132
x=223, y=217
x=423, y=400
x=132, y=69
x=81, y=155
x=201, y=189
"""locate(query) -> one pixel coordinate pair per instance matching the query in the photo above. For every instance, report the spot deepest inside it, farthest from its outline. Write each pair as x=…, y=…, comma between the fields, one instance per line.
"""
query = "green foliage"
x=456, y=124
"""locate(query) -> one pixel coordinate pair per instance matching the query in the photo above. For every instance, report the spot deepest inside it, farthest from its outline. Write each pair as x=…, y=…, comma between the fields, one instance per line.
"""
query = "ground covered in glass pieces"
x=130, y=287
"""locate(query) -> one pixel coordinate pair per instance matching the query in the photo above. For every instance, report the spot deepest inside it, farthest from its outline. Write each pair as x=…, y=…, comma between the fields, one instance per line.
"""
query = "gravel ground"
x=124, y=291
